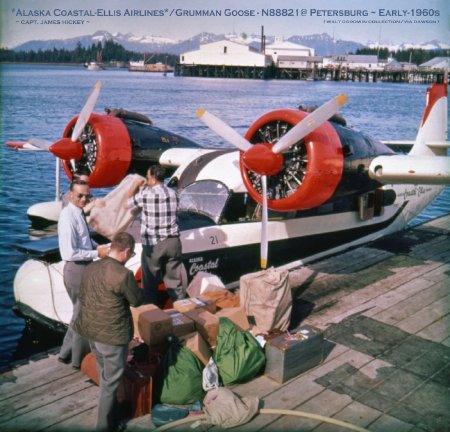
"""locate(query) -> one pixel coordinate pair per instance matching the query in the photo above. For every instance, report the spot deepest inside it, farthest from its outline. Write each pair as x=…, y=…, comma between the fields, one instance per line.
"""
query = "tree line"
x=109, y=51
x=412, y=55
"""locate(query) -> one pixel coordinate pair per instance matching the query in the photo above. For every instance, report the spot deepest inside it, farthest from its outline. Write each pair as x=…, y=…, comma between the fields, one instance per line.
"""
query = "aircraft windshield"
x=206, y=197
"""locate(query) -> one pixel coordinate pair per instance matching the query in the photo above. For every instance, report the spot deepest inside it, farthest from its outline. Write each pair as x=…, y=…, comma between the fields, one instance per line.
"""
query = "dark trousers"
x=74, y=345
x=162, y=262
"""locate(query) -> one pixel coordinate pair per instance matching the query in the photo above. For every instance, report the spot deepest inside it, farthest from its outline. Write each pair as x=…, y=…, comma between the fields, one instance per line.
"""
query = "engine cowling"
x=330, y=162
x=107, y=150
x=112, y=147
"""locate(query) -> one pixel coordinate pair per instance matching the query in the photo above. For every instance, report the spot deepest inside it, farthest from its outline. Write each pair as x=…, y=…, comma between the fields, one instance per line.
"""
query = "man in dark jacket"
x=108, y=289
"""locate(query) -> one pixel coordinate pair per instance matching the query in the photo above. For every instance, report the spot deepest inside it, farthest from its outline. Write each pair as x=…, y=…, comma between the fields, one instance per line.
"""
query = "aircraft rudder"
x=434, y=124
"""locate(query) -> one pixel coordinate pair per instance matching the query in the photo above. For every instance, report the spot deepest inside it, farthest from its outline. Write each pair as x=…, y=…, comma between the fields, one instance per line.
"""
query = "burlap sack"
x=113, y=217
x=225, y=409
x=266, y=296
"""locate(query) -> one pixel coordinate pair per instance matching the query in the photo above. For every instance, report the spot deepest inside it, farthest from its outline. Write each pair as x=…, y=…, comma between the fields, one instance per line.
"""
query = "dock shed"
x=225, y=59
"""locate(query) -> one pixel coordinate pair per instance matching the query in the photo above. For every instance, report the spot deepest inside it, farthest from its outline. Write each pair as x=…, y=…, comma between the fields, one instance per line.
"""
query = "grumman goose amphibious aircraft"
x=297, y=187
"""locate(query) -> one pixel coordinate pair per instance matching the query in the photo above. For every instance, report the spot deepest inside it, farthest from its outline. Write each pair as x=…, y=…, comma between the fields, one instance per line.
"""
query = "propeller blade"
x=223, y=130
x=40, y=143
x=86, y=112
x=311, y=122
x=264, y=220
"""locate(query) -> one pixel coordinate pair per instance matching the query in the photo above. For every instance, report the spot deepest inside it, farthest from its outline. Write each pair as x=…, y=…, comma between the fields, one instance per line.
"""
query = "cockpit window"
x=206, y=197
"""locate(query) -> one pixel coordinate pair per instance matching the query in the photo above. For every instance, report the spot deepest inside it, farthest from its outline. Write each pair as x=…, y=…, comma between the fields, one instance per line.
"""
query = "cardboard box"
x=188, y=304
x=222, y=298
x=237, y=315
x=206, y=324
x=196, y=343
x=155, y=326
x=181, y=324
x=135, y=312
x=291, y=354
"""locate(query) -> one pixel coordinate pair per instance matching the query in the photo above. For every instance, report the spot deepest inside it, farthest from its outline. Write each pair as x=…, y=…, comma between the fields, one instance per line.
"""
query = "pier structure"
x=308, y=73
x=384, y=309
x=290, y=61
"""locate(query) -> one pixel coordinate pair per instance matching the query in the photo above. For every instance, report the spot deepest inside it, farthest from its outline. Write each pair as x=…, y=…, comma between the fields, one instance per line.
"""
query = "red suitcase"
x=136, y=388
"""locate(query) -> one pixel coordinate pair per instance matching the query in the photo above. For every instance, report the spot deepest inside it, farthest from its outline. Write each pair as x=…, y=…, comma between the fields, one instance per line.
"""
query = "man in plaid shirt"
x=161, y=245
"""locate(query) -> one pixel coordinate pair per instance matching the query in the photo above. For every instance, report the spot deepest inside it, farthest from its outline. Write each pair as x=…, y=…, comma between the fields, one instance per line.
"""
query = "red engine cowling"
x=312, y=168
x=109, y=154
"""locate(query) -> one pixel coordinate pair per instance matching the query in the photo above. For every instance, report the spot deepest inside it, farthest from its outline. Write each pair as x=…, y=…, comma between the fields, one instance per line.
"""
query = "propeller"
x=85, y=113
x=311, y=122
x=266, y=159
x=264, y=223
x=70, y=148
x=223, y=130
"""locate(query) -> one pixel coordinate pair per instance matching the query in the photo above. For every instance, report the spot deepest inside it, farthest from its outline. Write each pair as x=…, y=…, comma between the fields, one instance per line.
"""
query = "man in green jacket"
x=108, y=289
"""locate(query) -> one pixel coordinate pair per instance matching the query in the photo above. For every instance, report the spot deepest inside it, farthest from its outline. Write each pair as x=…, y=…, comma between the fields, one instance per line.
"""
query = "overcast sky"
x=386, y=21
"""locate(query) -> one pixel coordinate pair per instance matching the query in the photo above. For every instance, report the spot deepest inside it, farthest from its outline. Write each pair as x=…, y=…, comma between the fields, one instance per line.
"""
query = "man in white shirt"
x=77, y=249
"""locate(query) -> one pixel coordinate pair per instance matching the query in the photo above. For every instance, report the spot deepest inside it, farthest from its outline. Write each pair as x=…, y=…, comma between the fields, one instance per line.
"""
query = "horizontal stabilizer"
x=22, y=145
x=408, y=169
x=405, y=146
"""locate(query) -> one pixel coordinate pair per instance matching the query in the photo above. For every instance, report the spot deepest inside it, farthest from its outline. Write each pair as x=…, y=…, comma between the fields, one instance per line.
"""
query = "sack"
x=238, y=355
x=266, y=296
x=204, y=282
x=225, y=409
x=113, y=218
x=179, y=379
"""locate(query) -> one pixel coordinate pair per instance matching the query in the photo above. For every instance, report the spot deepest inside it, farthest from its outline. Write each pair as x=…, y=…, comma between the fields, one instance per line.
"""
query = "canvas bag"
x=224, y=408
x=179, y=379
x=266, y=296
x=113, y=217
x=238, y=355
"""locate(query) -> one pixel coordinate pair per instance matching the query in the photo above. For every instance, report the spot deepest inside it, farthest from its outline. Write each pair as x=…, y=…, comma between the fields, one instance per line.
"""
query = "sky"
x=384, y=21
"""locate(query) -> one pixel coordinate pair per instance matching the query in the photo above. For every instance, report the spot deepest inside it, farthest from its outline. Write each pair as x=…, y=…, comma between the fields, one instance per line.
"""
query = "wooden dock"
x=384, y=310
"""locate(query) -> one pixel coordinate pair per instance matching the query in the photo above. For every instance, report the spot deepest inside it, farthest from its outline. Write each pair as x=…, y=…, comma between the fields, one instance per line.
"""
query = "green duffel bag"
x=238, y=355
x=179, y=379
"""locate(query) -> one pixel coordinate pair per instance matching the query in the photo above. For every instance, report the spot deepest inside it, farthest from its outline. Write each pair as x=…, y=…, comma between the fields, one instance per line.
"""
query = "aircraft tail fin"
x=431, y=138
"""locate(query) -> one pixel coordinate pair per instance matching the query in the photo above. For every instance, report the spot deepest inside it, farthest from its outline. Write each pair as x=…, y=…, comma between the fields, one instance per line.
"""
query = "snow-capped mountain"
x=428, y=46
x=323, y=44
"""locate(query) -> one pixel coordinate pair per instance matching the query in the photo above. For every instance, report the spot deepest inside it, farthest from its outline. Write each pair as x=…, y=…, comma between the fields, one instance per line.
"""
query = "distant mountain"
x=323, y=44
x=433, y=45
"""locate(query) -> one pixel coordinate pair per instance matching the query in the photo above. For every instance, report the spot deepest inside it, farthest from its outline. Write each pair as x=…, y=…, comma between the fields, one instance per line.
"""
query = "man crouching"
x=108, y=289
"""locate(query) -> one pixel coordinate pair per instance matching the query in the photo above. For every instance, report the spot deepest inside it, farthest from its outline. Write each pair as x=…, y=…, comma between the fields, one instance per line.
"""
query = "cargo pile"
x=213, y=339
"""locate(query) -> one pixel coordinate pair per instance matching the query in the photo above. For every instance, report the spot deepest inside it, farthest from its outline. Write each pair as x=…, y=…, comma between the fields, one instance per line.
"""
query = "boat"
x=144, y=66
x=95, y=66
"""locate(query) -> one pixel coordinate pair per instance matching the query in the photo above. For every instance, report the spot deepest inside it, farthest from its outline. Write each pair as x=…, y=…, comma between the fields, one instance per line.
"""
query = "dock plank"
x=397, y=286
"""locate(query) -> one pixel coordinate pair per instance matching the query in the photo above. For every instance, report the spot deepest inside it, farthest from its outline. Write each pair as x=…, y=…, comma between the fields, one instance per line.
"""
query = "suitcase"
x=136, y=388
x=89, y=367
x=292, y=353
x=134, y=393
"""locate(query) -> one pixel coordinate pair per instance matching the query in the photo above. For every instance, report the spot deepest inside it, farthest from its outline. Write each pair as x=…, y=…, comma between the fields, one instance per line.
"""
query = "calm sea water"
x=38, y=101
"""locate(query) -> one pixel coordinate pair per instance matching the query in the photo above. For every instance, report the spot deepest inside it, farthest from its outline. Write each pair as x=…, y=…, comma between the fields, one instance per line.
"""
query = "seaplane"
x=296, y=187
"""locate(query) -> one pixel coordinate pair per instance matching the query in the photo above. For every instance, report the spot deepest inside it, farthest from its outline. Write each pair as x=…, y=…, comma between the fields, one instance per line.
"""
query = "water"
x=39, y=101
